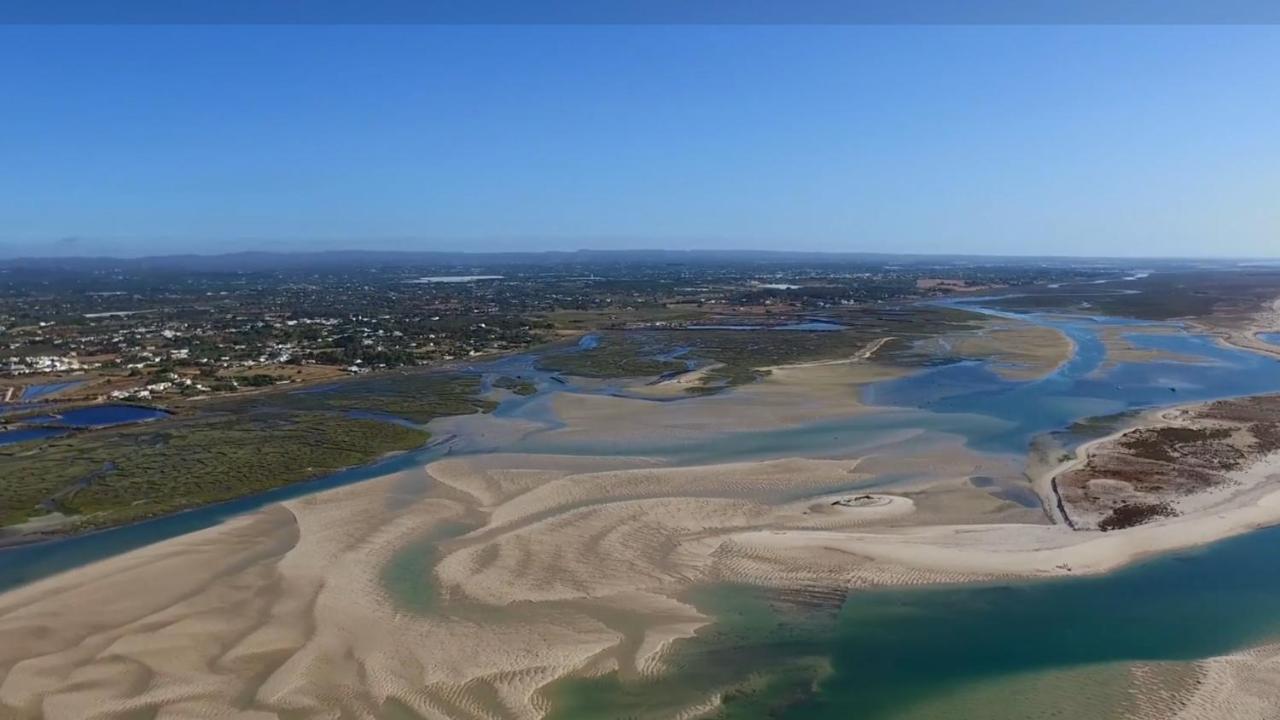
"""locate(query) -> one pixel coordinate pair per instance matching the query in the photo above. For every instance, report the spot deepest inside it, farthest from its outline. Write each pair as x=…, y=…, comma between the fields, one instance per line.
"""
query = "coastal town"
x=116, y=331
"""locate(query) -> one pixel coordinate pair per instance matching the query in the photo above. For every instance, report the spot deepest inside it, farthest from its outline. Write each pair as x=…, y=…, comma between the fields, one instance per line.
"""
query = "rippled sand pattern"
x=575, y=567
x=540, y=567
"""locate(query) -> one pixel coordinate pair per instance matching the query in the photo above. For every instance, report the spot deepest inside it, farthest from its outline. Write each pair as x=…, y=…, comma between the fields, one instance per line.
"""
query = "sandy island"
x=536, y=567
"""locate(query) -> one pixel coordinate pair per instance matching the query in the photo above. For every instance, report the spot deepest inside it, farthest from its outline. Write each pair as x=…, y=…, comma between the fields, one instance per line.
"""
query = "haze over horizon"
x=1068, y=141
x=284, y=250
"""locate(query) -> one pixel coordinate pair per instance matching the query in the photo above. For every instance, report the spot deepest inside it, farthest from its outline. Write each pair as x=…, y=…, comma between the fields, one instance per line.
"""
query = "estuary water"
x=63, y=423
x=1027, y=649
x=1031, y=649
x=951, y=652
x=964, y=399
x=1084, y=386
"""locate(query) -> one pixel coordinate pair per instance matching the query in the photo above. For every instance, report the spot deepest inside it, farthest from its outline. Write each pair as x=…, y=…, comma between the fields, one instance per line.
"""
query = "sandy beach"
x=1244, y=334
x=535, y=567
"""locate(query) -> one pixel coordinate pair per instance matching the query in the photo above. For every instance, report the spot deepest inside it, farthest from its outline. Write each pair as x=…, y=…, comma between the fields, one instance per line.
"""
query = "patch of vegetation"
x=416, y=396
x=1160, y=296
x=115, y=476
x=1266, y=437
x=224, y=449
x=515, y=385
x=258, y=380
x=616, y=318
x=742, y=354
x=1170, y=444
x=1131, y=514
x=616, y=354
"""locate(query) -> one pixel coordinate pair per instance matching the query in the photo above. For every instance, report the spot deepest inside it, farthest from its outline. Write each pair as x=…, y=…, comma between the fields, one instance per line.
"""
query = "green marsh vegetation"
x=741, y=356
x=518, y=386
x=618, y=354
x=416, y=396
x=223, y=449
x=1160, y=296
x=616, y=318
x=109, y=477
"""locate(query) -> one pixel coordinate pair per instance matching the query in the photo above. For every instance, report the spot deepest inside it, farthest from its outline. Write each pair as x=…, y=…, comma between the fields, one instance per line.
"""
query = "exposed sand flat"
x=93, y=641
x=1020, y=350
x=496, y=477
x=537, y=567
x=277, y=613
x=787, y=397
x=1244, y=334
x=303, y=623
x=1036, y=550
x=1121, y=348
x=285, y=610
x=1240, y=686
x=676, y=387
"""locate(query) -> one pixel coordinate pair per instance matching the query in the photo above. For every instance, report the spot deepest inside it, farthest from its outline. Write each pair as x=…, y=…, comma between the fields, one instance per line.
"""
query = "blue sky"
x=1051, y=140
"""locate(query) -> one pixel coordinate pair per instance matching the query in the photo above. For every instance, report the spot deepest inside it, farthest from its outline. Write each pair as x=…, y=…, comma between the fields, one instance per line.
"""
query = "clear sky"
x=1059, y=140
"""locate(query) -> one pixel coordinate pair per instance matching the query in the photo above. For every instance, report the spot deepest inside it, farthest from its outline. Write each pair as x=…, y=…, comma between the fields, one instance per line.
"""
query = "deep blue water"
x=10, y=437
x=80, y=418
x=1271, y=338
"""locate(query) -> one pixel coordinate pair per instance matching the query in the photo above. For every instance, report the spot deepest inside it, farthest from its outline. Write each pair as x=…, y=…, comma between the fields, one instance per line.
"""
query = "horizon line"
x=637, y=250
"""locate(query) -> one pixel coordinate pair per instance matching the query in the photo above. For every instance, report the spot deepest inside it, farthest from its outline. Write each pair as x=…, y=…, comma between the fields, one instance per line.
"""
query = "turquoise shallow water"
x=912, y=653
x=896, y=645
x=886, y=653
x=1084, y=386
x=963, y=399
x=928, y=653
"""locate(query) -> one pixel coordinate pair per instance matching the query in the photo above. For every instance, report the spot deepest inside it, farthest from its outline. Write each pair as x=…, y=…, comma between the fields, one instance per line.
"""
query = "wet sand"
x=789, y=396
x=546, y=566
x=1120, y=349
x=1017, y=350
x=1244, y=334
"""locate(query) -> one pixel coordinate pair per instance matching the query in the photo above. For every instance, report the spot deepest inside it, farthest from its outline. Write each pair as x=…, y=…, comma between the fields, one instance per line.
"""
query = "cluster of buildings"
x=45, y=364
x=150, y=390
